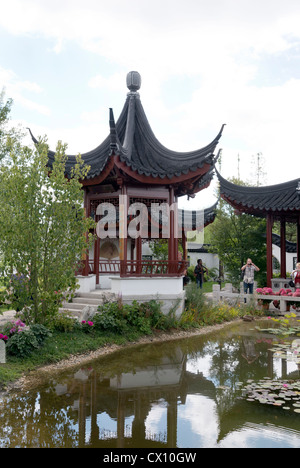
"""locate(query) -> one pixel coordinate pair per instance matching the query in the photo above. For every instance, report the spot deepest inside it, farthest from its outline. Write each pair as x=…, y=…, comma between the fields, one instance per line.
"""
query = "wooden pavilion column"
x=282, y=248
x=96, y=257
x=184, y=245
x=138, y=247
x=123, y=210
x=270, y=222
x=171, y=242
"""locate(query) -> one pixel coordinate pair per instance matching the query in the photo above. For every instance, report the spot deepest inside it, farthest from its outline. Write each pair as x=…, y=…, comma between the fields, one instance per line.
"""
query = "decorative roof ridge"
x=167, y=152
x=115, y=145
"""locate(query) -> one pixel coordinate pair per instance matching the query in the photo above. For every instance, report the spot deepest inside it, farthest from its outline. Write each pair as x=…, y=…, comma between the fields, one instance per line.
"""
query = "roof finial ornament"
x=133, y=81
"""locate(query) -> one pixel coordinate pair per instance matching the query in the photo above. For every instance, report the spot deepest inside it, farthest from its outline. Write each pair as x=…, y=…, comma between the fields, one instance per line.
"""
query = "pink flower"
x=83, y=321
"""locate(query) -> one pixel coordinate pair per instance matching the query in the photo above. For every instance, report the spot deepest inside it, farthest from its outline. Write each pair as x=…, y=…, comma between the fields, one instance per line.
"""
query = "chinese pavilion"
x=279, y=202
x=132, y=165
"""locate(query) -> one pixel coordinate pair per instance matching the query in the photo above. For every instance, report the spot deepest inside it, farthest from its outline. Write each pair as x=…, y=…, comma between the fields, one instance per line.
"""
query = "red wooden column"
x=177, y=233
x=123, y=210
x=171, y=245
x=96, y=257
x=269, y=249
x=138, y=243
x=282, y=248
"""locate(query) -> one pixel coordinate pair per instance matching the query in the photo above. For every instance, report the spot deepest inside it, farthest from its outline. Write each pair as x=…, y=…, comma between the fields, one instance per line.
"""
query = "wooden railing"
x=140, y=268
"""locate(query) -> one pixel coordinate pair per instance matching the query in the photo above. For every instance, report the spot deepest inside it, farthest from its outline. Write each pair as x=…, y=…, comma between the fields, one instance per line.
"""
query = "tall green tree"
x=236, y=237
x=5, y=134
x=42, y=225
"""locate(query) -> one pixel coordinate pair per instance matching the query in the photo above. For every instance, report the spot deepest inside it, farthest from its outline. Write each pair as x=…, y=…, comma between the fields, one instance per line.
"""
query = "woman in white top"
x=296, y=275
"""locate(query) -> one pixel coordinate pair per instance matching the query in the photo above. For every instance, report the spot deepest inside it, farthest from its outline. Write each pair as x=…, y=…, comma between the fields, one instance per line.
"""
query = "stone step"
x=85, y=305
x=87, y=300
x=74, y=313
x=74, y=305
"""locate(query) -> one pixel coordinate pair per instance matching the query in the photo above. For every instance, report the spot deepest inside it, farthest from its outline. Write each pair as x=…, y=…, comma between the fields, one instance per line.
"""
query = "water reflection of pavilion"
x=127, y=398
x=131, y=395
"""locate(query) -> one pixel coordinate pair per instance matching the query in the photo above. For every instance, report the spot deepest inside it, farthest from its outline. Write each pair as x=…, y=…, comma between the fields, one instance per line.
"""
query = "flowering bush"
x=265, y=292
x=11, y=328
x=87, y=326
x=3, y=337
x=282, y=292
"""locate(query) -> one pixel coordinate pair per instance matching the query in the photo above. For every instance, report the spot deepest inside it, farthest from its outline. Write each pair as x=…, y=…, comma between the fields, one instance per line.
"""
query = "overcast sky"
x=203, y=63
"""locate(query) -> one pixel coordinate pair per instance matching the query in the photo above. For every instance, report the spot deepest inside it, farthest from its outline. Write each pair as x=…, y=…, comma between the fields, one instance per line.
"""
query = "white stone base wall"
x=168, y=291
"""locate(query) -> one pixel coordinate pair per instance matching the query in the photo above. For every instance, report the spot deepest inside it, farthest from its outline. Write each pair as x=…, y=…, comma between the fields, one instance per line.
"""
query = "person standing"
x=249, y=269
x=199, y=271
x=296, y=275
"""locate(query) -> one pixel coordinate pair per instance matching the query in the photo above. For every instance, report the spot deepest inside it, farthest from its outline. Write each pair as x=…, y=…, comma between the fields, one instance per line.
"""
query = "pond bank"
x=32, y=379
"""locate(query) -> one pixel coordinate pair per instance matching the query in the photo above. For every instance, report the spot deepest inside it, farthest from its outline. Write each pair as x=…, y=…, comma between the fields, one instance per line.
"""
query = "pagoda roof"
x=136, y=151
x=280, y=199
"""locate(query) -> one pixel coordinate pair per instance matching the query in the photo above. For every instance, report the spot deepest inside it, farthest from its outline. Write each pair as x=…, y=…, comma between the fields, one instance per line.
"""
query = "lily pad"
x=274, y=392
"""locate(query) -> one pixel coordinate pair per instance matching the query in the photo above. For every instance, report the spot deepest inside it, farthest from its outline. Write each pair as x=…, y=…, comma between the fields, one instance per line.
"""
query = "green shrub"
x=62, y=323
x=119, y=318
x=22, y=344
x=110, y=318
x=195, y=298
x=40, y=332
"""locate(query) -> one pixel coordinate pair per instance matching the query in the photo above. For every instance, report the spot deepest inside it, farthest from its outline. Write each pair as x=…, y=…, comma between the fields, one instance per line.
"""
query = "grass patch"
x=117, y=324
x=60, y=346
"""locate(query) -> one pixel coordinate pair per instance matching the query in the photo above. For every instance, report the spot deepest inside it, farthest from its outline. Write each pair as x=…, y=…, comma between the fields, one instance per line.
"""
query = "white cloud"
x=220, y=43
x=15, y=87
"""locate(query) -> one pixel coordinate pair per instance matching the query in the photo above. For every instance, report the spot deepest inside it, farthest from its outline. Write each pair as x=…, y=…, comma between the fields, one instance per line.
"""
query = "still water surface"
x=175, y=394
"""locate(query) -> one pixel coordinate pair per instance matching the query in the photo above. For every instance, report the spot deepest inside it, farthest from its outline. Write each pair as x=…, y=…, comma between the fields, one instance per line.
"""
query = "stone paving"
x=7, y=316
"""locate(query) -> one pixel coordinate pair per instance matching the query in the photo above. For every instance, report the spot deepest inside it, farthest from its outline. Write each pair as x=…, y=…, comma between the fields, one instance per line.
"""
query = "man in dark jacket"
x=199, y=271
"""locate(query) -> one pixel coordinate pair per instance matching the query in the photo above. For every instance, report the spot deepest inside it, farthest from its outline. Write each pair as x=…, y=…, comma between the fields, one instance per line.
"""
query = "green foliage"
x=286, y=325
x=235, y=237
x=42, y=226
x=7, y=136
x=200, y=312
x=159, y=248
x=23, y=341
x=40, y=332
x=22, y=344
x=120, y=318
x=62, y=323
x=194, y=297
x=110, y=318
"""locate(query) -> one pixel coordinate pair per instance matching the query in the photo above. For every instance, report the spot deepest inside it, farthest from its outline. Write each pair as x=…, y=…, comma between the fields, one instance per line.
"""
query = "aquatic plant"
x=286, y=327
x=284, y=394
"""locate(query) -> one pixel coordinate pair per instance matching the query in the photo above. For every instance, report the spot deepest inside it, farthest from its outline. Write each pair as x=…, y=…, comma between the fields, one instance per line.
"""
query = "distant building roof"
x=279, y=200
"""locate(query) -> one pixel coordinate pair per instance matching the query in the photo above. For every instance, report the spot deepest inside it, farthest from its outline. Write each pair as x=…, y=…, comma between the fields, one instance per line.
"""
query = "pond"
x=179, y=394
